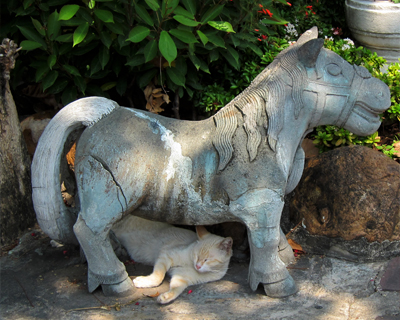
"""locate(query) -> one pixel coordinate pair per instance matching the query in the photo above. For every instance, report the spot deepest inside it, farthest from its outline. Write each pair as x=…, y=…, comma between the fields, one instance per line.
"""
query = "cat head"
x=212, y=253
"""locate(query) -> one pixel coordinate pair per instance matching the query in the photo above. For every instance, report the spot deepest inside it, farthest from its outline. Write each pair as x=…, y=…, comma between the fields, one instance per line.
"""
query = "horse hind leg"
x=104, y=268
x=101, y=206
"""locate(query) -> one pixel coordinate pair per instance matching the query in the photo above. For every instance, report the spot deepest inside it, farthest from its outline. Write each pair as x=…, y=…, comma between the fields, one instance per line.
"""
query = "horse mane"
x=265, y=94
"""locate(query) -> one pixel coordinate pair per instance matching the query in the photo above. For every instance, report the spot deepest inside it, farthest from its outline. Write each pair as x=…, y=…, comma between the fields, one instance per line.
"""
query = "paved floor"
x=39, y=281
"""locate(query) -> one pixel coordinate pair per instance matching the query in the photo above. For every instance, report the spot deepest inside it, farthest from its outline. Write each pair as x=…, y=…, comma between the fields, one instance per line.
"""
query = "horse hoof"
x=287, y=255
x=122, y=289
x=281, y=289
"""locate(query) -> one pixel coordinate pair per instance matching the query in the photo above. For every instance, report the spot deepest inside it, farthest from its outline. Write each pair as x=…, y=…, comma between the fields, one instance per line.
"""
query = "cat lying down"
x=189, y=258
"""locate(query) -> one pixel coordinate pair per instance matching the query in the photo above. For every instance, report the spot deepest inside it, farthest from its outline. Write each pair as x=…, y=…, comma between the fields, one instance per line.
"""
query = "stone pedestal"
x=376, y=26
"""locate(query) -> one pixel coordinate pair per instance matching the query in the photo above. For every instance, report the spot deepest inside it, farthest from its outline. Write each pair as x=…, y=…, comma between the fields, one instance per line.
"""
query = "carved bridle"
x=348, y=93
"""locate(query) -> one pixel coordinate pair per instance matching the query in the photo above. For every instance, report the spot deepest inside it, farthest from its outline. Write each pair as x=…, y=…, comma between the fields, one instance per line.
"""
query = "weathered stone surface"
x=236, y=166
x=347, y=194
x=391, y=278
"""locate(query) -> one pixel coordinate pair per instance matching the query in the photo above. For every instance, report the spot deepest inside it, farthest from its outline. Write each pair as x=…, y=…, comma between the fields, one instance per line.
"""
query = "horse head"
x=340, y=93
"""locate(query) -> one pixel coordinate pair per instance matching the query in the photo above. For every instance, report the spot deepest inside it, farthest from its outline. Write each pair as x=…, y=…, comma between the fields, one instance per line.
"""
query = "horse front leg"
x=261, y=211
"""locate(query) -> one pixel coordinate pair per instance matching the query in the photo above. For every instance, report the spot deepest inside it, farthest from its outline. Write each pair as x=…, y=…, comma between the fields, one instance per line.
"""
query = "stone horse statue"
x=235, y=166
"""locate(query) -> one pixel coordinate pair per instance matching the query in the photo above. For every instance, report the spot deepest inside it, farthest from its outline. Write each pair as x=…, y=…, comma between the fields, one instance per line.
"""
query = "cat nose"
x=198, y=267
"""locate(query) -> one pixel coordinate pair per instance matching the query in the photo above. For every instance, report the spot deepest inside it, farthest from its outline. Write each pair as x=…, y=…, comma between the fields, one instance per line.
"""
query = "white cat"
x=188, y=258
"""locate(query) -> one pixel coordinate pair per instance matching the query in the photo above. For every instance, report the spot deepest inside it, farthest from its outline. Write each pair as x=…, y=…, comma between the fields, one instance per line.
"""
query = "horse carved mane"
x=265, y=94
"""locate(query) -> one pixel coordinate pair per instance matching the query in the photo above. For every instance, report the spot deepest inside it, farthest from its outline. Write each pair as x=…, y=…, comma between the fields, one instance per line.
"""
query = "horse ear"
x=308, y=52
x=201, y=231
x=308, y=35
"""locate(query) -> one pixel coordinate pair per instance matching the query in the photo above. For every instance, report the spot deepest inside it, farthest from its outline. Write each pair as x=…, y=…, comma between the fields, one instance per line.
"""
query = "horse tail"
x=54, y=218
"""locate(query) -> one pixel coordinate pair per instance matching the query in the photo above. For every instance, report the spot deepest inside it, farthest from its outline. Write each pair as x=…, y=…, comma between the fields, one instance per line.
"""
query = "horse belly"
x=146, y=162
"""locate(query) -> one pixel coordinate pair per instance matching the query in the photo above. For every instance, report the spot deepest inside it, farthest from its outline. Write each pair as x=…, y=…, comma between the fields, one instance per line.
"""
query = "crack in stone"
x=107, y=168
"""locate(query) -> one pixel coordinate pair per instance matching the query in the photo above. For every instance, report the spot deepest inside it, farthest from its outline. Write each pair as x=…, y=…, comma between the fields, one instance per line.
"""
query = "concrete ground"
x=39, y=281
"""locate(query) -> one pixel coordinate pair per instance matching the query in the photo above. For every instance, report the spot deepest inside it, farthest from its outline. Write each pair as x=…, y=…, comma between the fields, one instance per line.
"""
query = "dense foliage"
x=78, y=48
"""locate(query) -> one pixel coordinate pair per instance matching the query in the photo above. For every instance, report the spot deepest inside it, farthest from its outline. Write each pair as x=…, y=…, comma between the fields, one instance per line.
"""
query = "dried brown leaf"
x=295, y=245
x=153, y=295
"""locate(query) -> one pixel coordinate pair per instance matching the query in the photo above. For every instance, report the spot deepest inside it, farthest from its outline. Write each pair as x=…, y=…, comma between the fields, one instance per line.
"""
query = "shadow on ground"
x=39, y=281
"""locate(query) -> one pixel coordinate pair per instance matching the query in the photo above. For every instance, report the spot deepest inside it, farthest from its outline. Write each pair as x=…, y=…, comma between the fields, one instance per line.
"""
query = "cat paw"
x=166, y=297
x=146, y=282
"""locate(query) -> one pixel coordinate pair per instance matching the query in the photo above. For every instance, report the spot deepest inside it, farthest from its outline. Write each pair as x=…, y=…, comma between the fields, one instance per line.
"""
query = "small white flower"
x=349, y=41
x=345, y=47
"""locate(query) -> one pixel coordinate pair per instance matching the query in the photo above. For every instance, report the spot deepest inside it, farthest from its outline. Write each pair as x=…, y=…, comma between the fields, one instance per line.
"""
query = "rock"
x=350, y=194
x=309, y=148
x=397, y=148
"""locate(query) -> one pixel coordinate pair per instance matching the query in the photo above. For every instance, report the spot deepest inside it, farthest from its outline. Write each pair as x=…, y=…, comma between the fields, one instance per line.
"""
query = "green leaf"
x=30, y=45
x=180, y=64
x=68, y=95
x=43, y=6
x=27, y=3
x=58, y=86
x=221, y=25
x=144, y=80
x=80, y=33
x=176, y=76
x=95, y=66
x=38, y=26
x=104, y=57
x=32, y=35
x=153, y=4
x=274, y=20
x=65, y=37
x=51, y=61
x=53, y=26
x=136, y=60
x=182, y=12
x=91, y=4
x=216, y=40
x=80, y=83
x=190, y=6
x=104, y=15
x=255, y=49
x=235, y=40
x=214, y=55
x=41, y=71
x=212, y=13
x=232, y=56
x=138, y=33
x=49, y=79
x=184, y=36
x=186, y=21
x=168, y=6
x=198, y=63
x=109, y=85
x=143, y=14
x=150, y=50
x=71, y=70
x=115, y=27
x=167, y=47
x=68, y=11
x=202, y=37
x=105, y=37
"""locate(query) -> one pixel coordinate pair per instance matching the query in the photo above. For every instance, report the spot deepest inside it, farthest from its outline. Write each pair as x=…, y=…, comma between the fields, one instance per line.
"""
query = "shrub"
x=83, y=48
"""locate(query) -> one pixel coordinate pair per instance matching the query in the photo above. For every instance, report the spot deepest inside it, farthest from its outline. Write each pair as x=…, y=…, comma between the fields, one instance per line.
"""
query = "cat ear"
x=201, y=231
x=226, y=244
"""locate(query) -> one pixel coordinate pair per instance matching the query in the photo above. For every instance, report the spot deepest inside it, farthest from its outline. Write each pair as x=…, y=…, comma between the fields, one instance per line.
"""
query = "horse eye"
x=334, y=69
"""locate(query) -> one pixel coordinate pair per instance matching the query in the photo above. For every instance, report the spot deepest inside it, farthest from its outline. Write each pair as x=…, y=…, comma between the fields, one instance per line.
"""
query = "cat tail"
x=54, y=218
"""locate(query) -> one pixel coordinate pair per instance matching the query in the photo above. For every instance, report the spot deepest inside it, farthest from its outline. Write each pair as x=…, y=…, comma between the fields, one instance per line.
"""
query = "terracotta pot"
x=376, y=26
